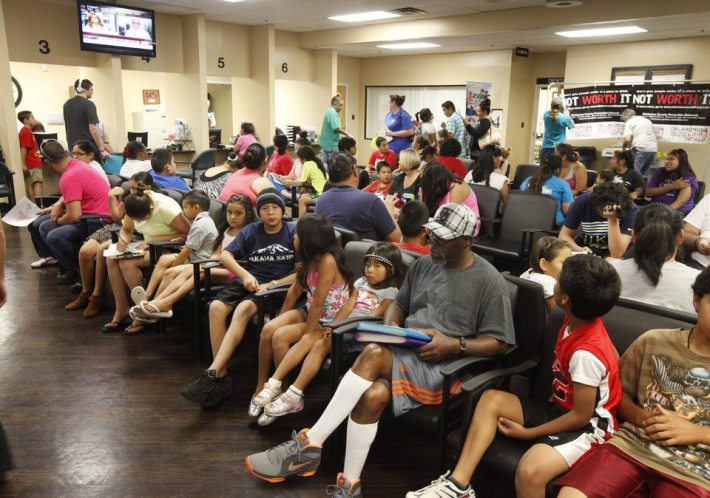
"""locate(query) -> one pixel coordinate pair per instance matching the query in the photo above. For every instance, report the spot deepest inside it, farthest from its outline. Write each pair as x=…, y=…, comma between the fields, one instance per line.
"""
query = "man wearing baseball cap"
x=458, y=299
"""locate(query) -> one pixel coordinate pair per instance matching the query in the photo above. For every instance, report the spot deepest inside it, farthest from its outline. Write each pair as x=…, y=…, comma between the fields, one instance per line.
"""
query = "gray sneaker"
x=295, y=457
x=345, y=488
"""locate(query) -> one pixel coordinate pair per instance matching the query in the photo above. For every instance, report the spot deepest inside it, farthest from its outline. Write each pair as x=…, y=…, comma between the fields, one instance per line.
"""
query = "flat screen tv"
x=116, y=29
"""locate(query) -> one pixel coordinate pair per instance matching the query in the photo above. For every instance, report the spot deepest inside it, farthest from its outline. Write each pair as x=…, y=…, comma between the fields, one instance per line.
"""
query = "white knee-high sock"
x=360, y=438
x=351, y=388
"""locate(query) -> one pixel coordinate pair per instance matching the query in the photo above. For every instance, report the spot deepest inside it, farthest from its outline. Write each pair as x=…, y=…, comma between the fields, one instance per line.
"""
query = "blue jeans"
x=325, y=155
x=643, y=161
x=61, y=242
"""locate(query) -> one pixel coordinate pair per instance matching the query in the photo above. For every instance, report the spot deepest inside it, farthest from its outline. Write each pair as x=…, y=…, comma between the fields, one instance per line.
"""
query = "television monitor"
x=116, y=29
x=215, y=135
x=138, y=136
x=42, y=136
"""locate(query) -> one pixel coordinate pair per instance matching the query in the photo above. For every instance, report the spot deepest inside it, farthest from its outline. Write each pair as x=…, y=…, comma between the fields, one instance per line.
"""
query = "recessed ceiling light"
x=407, y=46
x=233, y=1
x=619, y=30
x=375, y=15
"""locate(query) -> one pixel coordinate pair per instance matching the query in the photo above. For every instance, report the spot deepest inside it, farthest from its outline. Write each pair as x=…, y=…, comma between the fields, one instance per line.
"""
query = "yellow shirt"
x=315, y=175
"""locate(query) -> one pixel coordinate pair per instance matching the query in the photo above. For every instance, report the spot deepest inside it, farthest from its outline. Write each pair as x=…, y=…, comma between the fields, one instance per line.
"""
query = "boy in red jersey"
x=586, y=392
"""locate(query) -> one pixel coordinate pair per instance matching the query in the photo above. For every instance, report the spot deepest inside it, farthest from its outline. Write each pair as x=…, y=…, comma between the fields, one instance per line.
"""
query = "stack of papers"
x=387, y=334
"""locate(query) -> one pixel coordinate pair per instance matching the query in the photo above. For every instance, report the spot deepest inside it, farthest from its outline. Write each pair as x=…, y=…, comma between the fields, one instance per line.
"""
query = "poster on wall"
x=679, y=113
x=476, y=92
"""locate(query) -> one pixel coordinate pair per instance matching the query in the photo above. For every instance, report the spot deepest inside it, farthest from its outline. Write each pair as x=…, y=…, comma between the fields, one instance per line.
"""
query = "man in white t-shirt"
x=640, y=136
x=697, y=233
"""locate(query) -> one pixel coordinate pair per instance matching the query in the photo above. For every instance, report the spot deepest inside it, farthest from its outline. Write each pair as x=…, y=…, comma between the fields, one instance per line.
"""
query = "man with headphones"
x=80, y=117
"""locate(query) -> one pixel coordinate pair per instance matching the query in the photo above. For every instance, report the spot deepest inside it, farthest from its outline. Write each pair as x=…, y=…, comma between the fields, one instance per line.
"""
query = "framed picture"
x=151, y=97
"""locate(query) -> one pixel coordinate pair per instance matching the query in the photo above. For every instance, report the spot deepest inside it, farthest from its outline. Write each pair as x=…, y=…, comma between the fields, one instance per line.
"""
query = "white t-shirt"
x=428, y=128
x=673, y=290
x=641, y=129
x=699, y=217
x=133, y=166
x=585, y=368
x=496, y=180
x=97, y=167
x=547, y=282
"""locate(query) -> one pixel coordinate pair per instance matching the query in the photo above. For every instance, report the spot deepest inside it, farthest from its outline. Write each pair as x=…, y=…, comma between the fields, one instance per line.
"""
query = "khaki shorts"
x=35, y=174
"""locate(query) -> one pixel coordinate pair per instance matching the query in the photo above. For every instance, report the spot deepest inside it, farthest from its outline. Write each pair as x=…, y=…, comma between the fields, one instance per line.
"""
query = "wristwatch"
x=462, y=346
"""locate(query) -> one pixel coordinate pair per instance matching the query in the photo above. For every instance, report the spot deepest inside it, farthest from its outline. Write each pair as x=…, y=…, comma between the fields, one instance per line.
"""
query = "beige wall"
x=436, y=69
x=594, y=62
x=349, y=75
x=222, y=108
x=231, y=43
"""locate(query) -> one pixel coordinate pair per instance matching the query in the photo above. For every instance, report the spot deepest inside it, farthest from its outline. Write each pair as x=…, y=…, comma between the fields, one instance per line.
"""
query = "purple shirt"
x=669, y=198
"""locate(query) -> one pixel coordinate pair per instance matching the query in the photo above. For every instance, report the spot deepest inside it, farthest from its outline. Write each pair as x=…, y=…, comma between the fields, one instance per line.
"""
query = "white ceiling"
x=312, y=15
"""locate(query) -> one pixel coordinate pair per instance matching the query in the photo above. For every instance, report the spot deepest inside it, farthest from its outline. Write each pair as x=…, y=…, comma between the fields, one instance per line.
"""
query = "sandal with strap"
x=155, y=314
x=114, y=326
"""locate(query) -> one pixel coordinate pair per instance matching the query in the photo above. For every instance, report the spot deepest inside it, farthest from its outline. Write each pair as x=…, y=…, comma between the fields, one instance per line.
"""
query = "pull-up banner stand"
x=680, y=113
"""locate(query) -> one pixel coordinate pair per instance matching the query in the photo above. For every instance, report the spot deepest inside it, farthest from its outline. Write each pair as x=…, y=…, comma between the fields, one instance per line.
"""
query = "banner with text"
x=679, y=113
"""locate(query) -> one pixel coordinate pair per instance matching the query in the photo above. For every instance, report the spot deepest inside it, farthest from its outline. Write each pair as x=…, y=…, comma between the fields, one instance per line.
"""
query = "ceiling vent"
x=408, y=11
x=562, y=4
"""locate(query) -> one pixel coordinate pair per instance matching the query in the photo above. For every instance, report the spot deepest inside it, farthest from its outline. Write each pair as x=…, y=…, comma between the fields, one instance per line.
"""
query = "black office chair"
x=488, y=199
x=204, y=161
x=526, y=215
x=591, y=177
x=699, y=193
x=115, y=180
x=346, y=235
x=521, y=173
x=7, y=185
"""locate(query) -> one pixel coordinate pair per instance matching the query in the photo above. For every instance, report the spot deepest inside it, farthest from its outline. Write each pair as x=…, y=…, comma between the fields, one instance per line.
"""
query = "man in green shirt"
x=330, y=131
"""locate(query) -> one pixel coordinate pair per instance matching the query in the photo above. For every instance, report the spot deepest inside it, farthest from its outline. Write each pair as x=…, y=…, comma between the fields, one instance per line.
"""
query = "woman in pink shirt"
x=249, y=180
x=57, y=236
x=440, y=186
x=247, y=136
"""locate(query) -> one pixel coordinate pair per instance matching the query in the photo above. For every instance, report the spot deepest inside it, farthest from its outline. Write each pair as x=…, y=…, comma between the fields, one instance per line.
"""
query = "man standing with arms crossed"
x=80, y=117
x=331, y=130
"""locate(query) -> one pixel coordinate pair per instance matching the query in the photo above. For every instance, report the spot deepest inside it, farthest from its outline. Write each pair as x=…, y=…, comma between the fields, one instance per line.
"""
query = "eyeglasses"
x=77, y=153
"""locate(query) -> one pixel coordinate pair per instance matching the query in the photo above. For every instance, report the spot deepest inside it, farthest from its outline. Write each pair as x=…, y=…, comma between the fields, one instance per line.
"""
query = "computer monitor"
x=41, y=136
x=215, y=135
x=138, y=136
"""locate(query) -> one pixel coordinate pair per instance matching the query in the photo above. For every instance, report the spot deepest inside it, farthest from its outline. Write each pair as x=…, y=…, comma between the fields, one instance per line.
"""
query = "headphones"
x=44, y=155
x=79, y=88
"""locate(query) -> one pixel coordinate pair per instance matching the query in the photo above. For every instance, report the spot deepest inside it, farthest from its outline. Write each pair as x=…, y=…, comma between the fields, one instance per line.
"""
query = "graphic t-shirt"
x=595, y=228
x=658, y=369
x=369, y=299
x=27, y=141
x=269, y=256
x=631, y=178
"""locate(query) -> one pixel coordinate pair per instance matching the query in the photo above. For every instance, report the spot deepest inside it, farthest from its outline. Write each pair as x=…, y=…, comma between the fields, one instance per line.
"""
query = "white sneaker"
x=262, y=398
x=442, y=488
x=283, y=405
x=42, y=262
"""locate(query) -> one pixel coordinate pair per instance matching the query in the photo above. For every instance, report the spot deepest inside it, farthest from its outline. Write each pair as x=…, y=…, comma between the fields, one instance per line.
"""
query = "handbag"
x=489, y=137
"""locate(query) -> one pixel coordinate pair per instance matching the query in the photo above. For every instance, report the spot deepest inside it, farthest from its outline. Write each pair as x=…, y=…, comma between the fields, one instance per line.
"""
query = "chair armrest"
x=475, y=383
x=495, y=221
x=88, y=217
x=164, y=243
x=277, y=289
x=205, y=261
x=459, y=365
x=533, y=231
x=350, y=324
x=183, y=174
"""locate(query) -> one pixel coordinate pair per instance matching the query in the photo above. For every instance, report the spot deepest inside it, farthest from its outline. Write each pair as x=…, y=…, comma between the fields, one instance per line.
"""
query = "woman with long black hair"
x=653, y=275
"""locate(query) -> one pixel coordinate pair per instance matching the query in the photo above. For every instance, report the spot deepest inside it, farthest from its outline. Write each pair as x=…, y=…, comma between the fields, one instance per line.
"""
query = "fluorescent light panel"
x=618, y=30
x=233, y=1
x=375, y=15
x=408, y=46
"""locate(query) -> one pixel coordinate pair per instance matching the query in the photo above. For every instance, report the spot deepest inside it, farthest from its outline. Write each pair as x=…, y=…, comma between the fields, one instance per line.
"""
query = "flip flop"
x=137, y=314
x=115, y=326
x=138, y=295
x=158, y=314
